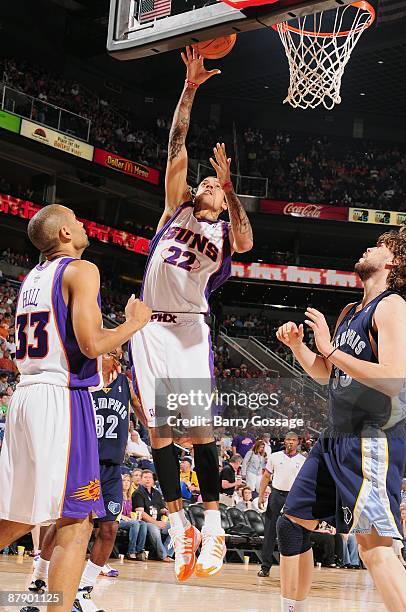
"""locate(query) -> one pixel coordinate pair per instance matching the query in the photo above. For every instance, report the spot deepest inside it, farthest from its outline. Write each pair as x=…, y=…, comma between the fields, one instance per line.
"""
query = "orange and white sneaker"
x=185, y=543
x=213, y=551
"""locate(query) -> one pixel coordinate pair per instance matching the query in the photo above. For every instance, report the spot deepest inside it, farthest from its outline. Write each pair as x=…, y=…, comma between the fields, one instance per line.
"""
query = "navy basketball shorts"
x=112, y=490
x=353, y=483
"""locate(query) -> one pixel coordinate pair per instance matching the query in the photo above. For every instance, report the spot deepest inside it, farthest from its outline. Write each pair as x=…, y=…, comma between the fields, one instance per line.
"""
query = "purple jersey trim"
x=82, y=493
x=83, y=372
x=155, y=240
x=224, y=271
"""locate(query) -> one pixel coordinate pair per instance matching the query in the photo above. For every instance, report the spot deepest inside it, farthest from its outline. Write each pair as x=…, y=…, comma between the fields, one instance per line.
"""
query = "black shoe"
x=263, y=573
x=38, y=586
x=29, y=609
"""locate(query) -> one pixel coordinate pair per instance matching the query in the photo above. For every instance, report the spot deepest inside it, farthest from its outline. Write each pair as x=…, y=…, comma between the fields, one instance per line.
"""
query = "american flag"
x=391, y=10
x=153, y=9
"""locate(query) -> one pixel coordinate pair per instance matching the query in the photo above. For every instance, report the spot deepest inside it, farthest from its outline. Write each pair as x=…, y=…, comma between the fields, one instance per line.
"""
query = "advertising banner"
x=126, y=166
x=301, y=209
x=57, y=140
x=9, y=122
x=378, y=217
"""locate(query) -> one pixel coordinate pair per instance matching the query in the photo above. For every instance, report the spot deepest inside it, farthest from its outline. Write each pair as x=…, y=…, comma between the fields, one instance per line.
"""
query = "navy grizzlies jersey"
x=112, y=405
x=353, y=406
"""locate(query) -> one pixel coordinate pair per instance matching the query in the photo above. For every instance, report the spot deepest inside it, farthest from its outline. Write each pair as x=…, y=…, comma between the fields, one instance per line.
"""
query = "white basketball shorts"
x=49, y=463
x=175, y=348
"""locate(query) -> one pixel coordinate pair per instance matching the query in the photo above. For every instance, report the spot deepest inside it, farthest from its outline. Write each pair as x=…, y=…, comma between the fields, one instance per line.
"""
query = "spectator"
x=135, y=479
x=403, y=493
x=262, y=508
x=350, y=551
x=242, y=444
x=3, y=382
x=189, y=476
x=149, y=501
x=137, y=529
x=253, y=465
x=228, y=480
x=4, y=399
x=137, y=449
x=6, y=363
x=246, y=503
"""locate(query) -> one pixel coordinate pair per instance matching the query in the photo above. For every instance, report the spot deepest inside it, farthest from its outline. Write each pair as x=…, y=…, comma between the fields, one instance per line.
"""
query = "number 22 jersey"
x=188, y=259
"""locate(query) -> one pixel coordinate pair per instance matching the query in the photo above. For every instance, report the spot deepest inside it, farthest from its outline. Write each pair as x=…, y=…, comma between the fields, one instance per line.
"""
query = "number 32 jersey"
x=188, y=259
x=47, y=350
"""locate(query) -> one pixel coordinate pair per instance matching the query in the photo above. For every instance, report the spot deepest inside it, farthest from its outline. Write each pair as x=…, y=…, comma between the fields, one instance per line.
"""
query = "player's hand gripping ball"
x=195, y=71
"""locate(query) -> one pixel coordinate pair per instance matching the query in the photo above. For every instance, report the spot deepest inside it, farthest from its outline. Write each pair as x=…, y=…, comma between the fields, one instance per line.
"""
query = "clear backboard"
x=139, y=28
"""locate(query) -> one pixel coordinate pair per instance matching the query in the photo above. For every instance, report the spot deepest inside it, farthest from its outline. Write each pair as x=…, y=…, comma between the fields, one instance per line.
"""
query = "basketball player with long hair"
x=353, y=475
x=49, y=464
x=190, y=256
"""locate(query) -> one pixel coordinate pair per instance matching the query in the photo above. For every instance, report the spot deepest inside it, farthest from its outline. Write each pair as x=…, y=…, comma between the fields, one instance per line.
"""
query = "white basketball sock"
x=90, y=574
x=212, y=521
x=41, y=570
x=291, y=605
x=178, y=520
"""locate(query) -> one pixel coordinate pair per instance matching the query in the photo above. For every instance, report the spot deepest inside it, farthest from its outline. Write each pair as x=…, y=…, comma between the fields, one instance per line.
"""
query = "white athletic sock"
x=212, y=520
x=291, y=605
x=90, y=574
x=178, y=520
x=41, y=570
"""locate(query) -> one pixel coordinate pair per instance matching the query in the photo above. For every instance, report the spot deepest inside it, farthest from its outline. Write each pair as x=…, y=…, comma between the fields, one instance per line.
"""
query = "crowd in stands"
x=327, y=170
x=314, y=169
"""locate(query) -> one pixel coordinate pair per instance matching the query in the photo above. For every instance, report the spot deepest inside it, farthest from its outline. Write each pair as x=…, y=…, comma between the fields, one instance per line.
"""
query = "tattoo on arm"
x=239, y=219
x=180, y=123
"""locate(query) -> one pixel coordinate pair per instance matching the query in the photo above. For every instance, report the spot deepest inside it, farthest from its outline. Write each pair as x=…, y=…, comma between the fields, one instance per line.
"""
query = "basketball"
x=217, y=47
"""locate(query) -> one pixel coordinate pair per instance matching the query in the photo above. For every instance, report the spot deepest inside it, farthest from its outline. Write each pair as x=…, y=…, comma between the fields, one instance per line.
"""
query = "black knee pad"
x=167, y=468
x=207, y=470
x=293, y=539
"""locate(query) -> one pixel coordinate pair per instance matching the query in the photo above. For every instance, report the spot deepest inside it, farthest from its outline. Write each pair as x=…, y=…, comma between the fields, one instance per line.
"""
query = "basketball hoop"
x=317, y=58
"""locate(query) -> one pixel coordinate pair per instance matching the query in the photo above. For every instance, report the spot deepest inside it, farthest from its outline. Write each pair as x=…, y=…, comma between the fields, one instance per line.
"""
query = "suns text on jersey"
x=193, y=241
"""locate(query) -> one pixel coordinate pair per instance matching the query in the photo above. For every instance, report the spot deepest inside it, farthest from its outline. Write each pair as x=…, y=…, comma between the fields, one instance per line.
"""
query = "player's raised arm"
x=176, y=188
x=314, y=365
x=241, y=239
x=389, y=374
x=81, y=284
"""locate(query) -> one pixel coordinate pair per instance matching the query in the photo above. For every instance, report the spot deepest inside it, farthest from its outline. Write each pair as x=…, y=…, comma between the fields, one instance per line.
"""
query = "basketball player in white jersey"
x=49, y=465
x=189, y=257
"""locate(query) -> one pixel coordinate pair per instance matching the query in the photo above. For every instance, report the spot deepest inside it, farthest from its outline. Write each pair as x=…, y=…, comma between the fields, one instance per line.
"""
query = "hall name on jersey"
x=109, y=403
x=30, y=297
x=350, y=338
x=182, y=235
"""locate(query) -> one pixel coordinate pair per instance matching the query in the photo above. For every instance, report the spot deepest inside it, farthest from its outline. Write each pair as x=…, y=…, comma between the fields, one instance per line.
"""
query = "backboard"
x=139, y=28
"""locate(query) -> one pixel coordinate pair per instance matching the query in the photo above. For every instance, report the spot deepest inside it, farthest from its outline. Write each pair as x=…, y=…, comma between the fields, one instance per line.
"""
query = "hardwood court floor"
x=151, y=587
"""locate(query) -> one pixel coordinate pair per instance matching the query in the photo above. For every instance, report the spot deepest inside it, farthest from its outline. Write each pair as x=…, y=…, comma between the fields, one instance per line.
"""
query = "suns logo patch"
x=89, y=492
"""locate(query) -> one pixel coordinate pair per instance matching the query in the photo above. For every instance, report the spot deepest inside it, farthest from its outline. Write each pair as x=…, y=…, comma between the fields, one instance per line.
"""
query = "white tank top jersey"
x=46, y=348
x=188, y=259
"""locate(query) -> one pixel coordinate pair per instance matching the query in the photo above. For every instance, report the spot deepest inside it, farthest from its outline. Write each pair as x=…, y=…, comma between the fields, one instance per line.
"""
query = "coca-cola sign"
x=302, y=209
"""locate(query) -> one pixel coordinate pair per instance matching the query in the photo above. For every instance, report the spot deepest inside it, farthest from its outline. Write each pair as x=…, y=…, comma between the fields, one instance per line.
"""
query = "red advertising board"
x=126, y=166
x=300, y=209
x=102, y=233
x=295, y=274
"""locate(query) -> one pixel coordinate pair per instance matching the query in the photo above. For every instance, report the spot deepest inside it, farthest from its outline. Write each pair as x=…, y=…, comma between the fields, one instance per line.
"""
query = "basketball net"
x=317, y=58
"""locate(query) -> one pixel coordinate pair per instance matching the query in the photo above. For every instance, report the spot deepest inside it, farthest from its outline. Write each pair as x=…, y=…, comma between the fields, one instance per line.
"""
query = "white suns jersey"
x=188, y=259
x=46, y=347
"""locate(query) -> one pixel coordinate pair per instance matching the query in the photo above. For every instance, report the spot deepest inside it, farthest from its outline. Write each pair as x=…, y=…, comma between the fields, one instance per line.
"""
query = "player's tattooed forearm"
x=180, y=123
x=239, y=218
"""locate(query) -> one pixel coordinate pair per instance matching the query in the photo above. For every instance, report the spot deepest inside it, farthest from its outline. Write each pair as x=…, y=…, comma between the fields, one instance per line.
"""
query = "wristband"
x=227, y=185
x=328, y=356
x=191, y=83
